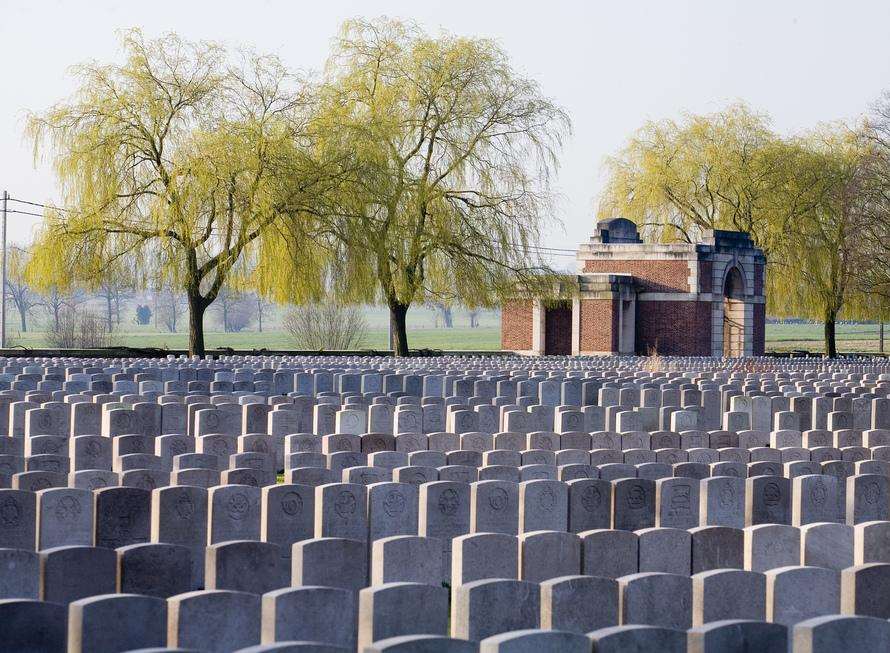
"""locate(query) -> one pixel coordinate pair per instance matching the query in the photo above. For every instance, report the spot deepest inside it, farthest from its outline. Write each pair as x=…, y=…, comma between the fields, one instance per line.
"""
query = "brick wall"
x=599, y=325
x=666, y=275
x=705, y=276
x=516, y=325
x=674, y=328
x=759, y=319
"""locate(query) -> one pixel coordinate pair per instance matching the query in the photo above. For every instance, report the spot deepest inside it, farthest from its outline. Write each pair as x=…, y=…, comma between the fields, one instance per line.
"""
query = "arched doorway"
x=734, y=314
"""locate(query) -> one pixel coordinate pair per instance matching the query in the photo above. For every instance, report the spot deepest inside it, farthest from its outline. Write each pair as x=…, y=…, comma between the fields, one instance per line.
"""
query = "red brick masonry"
x=650, y=276
x=516, y=325
x=599, y=325
x=674, y=328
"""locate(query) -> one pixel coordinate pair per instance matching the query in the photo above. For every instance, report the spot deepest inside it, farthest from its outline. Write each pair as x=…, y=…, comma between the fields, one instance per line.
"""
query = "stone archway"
x=734, y=313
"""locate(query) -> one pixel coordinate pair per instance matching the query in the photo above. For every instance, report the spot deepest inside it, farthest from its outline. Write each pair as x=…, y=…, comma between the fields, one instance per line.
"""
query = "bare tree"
x=113, y=295
x=56, y=302
x=326, y=327
x=17, y=288
x=234, y=310
x=80, y=330
x=263, y=305
x=444, y=312
x=171, y=305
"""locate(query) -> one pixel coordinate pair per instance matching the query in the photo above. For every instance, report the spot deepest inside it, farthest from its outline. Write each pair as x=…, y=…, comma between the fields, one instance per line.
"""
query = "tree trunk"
x=23, y=316
x=110, y=311
x=56, y=307
x=830, y=339
x=259, y=314
x=197, y=307
x=397, y=314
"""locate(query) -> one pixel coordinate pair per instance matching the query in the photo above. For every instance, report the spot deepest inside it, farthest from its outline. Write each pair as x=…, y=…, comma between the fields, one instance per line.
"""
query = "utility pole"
x=3, y=276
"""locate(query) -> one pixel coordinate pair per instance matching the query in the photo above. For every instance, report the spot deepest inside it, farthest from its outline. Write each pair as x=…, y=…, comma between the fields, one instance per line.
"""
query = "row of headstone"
x=34, y=413
x=286, y=513
x=572, y=614
x=182, y=562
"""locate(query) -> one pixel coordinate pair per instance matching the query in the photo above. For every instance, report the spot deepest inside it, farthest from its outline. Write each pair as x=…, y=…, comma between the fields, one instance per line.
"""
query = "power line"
x=537, y=249
x=38, y=215
x=45, y=206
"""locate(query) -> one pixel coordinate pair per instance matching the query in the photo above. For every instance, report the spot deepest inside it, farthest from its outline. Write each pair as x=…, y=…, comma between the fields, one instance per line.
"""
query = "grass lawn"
x=850, y=337
x=461, y=338
x=779, y=337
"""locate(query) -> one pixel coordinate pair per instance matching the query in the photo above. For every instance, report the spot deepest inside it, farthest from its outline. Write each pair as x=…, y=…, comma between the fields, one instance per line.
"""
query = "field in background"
x=422, y=334
x=850, y=337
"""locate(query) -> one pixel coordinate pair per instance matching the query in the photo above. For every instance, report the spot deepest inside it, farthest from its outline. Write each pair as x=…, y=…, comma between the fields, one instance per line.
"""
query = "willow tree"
x=874, y=139
x=446, y=160
x=180, y=162
x=819, y=261
x=726, y=170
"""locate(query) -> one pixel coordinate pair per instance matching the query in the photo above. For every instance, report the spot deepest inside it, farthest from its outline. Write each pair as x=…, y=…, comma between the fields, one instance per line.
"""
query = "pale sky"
x=613, y=65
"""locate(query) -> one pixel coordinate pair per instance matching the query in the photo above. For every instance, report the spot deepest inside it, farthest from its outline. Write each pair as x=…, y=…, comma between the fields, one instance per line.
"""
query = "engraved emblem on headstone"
x=872, y=493
x=238, y=506
x=681, y=500
x=591, y=498
x=636, y=497
x=498, y=499
x=394, y=503
x=67, y=507
x=345, y=504
x=185, y=507
x=292, y=504
x=40, y=483
x=448, y=502
x=772, y=494
x=547, y=500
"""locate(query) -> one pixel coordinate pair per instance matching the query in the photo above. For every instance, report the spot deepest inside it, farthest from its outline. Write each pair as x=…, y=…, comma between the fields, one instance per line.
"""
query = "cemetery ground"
x=780, y=337
x=444, y=505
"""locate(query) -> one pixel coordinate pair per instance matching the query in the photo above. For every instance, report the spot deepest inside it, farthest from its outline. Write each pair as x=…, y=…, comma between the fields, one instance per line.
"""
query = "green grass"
x=421, y=335
x=459, y=338
x=850, y=337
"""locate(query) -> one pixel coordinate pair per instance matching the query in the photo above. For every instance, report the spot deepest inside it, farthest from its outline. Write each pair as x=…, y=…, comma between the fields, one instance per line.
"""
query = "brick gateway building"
x=700, y=299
